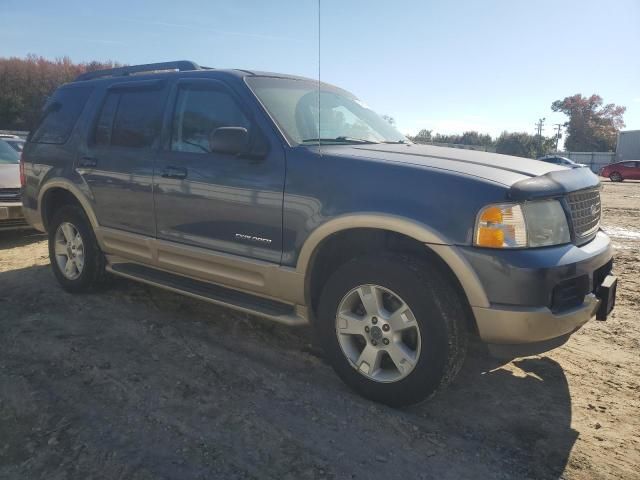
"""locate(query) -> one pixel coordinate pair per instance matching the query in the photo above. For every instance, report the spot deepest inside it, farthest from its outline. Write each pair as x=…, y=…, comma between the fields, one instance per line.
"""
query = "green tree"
x=423, y=136
x=592, y=126
x=467, y=138
x=522, y=144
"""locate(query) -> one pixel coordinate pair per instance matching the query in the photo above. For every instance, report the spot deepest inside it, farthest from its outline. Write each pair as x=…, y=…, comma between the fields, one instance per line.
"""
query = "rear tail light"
x=23, y=178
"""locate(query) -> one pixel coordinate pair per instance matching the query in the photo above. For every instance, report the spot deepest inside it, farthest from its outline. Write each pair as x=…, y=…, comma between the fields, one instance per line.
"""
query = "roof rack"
x=180, y=65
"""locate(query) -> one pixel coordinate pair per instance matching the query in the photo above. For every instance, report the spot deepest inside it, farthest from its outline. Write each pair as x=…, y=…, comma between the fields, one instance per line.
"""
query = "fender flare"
x=75, y=191
x=447, y=252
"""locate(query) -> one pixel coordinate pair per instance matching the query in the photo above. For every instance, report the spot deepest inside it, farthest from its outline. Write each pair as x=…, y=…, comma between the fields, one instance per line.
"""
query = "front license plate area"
x=606, y=292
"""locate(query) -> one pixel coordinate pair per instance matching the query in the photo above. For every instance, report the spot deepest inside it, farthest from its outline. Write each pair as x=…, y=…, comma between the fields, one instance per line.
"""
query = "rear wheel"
x=615, y=177
x=76, y=258
x=393, y=328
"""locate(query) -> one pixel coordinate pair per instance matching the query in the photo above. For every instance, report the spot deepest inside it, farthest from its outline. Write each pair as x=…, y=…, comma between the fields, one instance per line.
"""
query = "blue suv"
x=292, y=200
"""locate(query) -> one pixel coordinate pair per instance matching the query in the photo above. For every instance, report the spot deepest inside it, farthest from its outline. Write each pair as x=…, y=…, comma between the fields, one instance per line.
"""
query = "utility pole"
x=558, y=126
x=539, y=126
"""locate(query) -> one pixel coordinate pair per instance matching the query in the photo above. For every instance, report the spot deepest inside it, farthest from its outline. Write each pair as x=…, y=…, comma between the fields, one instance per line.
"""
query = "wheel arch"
x=370, y=232
x=60, y=192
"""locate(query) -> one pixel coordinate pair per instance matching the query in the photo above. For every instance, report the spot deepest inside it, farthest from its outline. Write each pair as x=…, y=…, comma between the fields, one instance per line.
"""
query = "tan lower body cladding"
x=251, y=276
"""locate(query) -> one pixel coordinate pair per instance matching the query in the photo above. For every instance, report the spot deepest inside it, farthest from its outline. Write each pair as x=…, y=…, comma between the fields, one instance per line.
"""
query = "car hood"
x=10, y=175
x=527, y=178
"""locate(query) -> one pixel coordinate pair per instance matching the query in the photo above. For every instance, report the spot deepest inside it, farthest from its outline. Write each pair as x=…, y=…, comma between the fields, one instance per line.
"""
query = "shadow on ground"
x=19, y=238
x=138, y=383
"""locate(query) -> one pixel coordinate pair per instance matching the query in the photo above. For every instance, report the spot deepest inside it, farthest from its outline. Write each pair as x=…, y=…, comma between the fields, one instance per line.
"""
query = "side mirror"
x=230, y=140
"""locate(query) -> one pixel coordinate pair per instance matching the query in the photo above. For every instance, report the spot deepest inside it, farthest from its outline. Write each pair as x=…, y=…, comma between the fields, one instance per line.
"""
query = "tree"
x=423, y=136
x=467, y=138
x=592, y=127
x=25, y=84
x=522, y=144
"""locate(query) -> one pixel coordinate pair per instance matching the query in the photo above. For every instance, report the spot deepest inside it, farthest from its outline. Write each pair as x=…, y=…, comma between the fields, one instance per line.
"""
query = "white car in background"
x=11, y=215
x=14, y=141
x=564, y=161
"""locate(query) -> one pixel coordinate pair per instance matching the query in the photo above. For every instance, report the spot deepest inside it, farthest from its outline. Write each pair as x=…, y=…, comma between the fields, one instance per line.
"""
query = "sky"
x=447, y=65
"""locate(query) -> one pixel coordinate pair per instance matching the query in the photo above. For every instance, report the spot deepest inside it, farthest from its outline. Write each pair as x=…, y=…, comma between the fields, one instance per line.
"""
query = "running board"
x=253, y=304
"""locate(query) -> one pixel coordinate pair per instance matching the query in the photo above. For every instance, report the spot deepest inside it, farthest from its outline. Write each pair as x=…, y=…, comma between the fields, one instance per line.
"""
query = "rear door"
x=222, y=202
x=118, y=160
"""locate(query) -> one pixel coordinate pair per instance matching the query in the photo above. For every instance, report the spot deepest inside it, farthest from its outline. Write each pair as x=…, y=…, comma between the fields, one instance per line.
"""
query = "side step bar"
x=263, y=307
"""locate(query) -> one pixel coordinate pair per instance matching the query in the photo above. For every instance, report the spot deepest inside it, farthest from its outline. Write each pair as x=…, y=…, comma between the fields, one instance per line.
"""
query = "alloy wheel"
x=378, y=333
x=69, y=250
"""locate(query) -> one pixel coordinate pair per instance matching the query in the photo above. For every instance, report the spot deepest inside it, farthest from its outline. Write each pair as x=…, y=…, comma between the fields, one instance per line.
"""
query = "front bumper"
x=538, y=295
x=512, y=325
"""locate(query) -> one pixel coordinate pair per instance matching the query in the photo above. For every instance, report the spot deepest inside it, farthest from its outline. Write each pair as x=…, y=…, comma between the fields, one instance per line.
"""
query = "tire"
x=615, y=177
x=92, y=270
x=434, y=303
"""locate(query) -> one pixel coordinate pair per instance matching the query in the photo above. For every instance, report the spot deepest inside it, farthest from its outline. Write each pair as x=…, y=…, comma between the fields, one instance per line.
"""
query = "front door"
x=218, y=201
x=117, y=162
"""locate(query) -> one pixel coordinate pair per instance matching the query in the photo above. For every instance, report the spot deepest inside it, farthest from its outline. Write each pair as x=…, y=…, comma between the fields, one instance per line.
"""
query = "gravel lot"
x=138, y=383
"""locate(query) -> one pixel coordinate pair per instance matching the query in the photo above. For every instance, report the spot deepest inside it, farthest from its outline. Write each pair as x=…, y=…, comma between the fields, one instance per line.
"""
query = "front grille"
x=585, y=209
x=9, y=194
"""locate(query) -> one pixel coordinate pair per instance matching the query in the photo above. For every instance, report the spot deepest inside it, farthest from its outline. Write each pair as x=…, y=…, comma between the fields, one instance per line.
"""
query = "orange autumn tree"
x=25, y=84
x=592, y=126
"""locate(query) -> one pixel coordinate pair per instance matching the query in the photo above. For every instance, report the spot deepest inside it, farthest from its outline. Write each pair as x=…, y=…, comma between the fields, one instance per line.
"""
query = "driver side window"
x=198, y=113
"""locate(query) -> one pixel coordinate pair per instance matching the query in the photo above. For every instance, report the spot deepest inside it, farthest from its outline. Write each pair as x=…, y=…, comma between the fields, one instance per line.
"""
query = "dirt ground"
x=138, y=383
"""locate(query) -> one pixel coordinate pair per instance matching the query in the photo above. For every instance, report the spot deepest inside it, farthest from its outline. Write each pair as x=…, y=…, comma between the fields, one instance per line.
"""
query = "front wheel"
x=615, y=177
x=392, y=328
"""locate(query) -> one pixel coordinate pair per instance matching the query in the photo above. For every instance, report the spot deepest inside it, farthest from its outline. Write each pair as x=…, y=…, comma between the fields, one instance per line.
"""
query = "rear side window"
x=130, y=118
x=60, y=115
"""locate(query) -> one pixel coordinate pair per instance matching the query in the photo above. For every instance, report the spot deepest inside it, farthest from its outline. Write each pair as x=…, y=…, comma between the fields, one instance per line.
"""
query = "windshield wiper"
x=397, y=142
x=341, y=139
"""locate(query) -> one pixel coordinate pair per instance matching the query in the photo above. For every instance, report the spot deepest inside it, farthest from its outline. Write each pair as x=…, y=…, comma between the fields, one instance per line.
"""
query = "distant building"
x=628, y=146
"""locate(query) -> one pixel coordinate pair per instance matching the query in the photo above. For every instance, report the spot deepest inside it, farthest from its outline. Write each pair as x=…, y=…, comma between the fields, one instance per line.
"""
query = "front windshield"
x=8, y=154
x=294, y=106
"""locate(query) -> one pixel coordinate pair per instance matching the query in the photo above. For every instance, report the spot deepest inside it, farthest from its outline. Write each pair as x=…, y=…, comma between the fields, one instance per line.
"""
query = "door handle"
x=88, y=162
x=174, y=172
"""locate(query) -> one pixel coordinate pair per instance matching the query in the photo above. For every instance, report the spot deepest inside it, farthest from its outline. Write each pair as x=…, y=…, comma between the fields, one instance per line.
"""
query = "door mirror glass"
x=230, y=140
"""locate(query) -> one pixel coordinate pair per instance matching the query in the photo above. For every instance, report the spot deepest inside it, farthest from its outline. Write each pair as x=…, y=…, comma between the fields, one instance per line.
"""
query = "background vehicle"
x=564, y=161
x=13, y=141
x=10, y=204
x=230, y=186
x=617, y=172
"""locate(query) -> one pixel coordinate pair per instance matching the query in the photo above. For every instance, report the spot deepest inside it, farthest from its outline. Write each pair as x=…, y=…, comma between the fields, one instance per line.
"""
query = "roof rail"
x=180, y=65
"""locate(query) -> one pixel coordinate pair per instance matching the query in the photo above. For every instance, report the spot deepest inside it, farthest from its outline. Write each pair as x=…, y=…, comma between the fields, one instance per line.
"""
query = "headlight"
x=530, y=224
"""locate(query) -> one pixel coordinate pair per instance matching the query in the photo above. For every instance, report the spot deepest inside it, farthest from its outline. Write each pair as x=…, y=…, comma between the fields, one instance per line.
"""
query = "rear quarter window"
x=60, y=115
